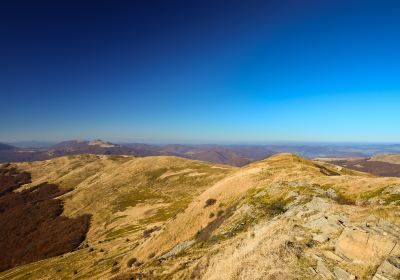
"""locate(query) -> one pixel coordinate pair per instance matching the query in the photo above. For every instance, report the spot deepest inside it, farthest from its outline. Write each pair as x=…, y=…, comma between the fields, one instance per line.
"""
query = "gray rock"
x=392, y=190
x=318, y=190
x=325, y=226
x=317, y=203
x=177, y=249
x=292, y=194
x=331, y=193
x=323, y=270
x=260, y=194
x=298, y=184
x=342, y=274
x=332, y=256
x=389, y=269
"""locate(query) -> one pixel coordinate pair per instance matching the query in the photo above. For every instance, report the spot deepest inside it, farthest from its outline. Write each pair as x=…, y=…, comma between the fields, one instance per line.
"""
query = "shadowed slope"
x=32, y=227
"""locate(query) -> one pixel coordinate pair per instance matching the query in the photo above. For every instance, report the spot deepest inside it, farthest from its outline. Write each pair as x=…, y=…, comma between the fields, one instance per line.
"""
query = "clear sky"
x=200, y=71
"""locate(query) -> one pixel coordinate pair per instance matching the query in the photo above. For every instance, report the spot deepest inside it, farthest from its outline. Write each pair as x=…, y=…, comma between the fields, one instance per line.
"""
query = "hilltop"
x=390, y=158
x=163, y=217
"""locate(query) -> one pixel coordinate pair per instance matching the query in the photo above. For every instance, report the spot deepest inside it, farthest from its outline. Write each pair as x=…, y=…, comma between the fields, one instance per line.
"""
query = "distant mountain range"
x=5, y=147
x=236, y=155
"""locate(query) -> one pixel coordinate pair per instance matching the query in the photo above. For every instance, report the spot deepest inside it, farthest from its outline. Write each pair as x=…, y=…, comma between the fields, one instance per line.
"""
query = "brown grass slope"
x=31, y=226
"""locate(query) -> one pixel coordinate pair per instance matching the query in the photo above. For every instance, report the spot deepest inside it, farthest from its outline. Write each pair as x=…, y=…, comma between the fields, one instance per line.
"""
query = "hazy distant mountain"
x=236, y=155
x=74, y=145
x=145, y=149
x=6, y=147
x=177, y=148
x=381, y=165
x=97, y=146
x=32, y=144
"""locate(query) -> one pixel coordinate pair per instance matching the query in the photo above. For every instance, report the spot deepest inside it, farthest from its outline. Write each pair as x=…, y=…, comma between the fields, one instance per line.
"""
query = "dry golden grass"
x=169, y=195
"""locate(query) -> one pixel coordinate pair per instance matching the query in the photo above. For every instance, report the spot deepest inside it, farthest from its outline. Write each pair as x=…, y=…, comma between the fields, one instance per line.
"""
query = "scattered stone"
x=332, y=256
x=323, y=270
x=376, y=201
x=392, y=190
x=295, y=184
x=389, y=269
x=342, y=274
x=319, y=190
x=331, y=193
x=260, y=194
x=177, y=249
x=321, y=238
x=295, y=201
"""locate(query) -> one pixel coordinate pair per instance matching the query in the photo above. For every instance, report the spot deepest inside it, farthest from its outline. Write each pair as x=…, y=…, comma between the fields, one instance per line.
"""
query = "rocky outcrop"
x=342, y=274
x=177, y=249
x=358, y=245
x=389, y=269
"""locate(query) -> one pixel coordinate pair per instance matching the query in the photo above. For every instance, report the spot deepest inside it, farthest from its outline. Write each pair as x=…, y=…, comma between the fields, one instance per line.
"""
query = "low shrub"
x=131, y=262
x=209, y=202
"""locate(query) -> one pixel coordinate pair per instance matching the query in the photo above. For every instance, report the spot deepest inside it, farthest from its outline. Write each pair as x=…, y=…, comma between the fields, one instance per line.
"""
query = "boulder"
x=365, y=247
x=326, y=226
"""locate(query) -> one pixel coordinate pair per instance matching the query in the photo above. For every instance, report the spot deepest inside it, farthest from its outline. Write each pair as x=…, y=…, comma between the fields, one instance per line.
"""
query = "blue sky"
x=200, y=71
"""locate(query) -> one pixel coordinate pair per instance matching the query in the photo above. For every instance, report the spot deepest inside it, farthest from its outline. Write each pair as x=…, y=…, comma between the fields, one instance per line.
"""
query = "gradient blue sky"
x=200, y=71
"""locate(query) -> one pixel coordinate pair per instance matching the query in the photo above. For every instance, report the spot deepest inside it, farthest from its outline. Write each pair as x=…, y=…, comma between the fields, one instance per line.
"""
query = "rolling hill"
x=389, y=158
x=235, y=155
x=163, y=217
x=380, y=165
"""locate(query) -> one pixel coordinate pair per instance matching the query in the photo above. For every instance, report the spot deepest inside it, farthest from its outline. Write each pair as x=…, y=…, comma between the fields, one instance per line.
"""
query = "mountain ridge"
x=167, y=217
x=236, y=155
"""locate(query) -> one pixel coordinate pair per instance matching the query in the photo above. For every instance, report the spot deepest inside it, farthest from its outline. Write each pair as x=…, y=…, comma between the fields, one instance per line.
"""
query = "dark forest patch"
x=32, y=227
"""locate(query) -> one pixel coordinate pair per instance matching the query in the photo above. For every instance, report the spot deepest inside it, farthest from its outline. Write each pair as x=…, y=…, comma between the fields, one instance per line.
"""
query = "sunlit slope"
x=390, y=158
x=219, y=227
x=125, y=195
x=284, y=217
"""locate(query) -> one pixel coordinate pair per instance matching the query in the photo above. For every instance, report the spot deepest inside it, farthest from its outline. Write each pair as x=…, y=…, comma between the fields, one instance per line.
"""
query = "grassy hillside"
x=284, y=217
x=390, y=158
